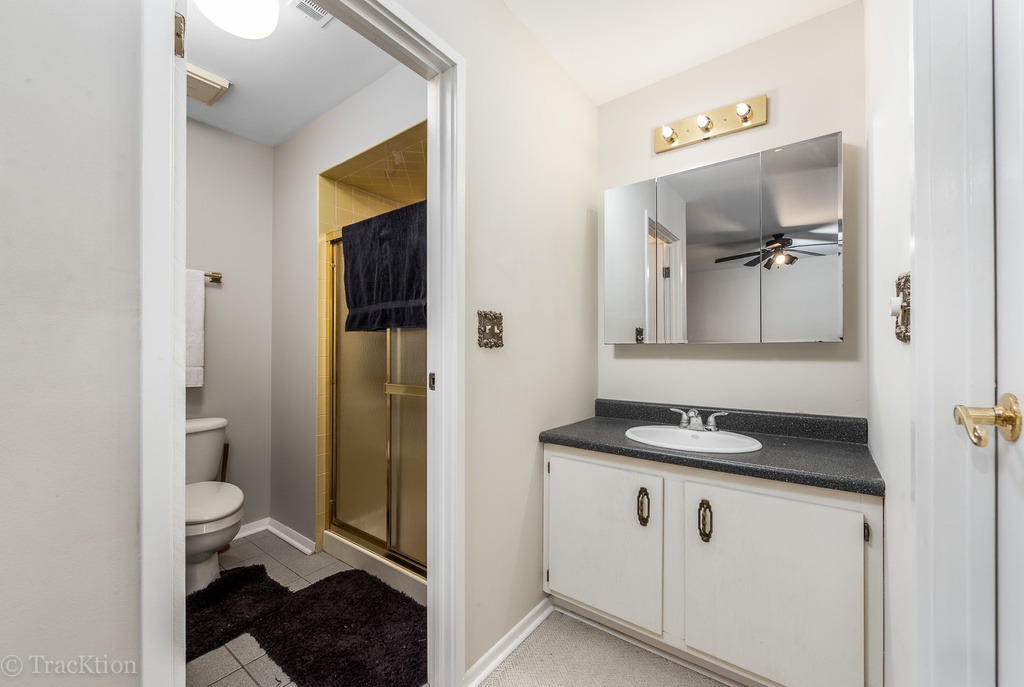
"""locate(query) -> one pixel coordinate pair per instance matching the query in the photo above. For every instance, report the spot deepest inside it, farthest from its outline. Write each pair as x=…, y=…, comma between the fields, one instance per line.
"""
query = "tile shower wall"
x=338, y=205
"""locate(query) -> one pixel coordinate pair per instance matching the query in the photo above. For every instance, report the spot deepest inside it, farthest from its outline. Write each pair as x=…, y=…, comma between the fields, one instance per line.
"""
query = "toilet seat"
x=207, y=502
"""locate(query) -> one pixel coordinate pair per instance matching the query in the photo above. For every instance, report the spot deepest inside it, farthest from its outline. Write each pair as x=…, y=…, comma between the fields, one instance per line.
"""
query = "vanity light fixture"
x=711, y=124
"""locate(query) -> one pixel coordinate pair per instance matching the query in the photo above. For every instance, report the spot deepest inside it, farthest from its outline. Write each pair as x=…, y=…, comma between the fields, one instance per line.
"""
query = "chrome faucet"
x=691, y=419
x=711, y=425
x=683, y=418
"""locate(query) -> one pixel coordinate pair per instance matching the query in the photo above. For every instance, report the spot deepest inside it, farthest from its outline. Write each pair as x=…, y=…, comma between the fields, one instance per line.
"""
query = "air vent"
x=204, y=86
x=312, y=10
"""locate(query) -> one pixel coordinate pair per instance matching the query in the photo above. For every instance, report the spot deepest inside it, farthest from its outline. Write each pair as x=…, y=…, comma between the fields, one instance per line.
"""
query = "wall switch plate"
x=489, y=330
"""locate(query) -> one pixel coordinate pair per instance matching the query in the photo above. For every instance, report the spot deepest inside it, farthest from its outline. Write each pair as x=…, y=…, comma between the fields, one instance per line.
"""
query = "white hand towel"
x=195, y=334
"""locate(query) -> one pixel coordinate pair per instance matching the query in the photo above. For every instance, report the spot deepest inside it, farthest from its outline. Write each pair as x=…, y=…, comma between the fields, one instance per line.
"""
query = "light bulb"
x=780, y=258
x=250, y=19
x=744, y=112
x=669, y=134
x=704, y=123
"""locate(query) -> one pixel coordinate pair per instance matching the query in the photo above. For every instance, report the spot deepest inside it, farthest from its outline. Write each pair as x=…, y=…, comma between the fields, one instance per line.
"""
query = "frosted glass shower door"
x=360, y=435
x=380, y=436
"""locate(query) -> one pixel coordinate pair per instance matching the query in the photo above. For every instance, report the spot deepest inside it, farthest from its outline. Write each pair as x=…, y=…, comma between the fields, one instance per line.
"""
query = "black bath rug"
x=228, y=606
x=348, y=630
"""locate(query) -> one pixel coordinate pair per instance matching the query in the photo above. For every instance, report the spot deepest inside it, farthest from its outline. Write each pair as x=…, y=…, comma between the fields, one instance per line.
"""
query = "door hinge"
x=867, y=532
x=666, y=272
x=548, y=576
x=549, y=467
x=430, y=381
x=179, y=35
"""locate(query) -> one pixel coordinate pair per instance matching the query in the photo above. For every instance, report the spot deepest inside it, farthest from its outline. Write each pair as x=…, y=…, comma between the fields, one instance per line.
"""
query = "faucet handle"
x=710, y=424
x=683, y=419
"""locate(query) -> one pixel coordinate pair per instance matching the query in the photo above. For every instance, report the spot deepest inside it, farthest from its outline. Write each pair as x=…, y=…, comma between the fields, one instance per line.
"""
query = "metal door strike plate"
x=900, y=307
x=489, y=329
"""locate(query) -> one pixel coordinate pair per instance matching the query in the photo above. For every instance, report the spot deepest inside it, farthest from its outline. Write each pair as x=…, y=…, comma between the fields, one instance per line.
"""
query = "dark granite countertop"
x=813, y=457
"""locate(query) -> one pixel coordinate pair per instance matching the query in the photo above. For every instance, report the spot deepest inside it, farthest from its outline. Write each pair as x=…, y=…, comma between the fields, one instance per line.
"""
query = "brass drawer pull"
x=705, y=520
x=643, y=506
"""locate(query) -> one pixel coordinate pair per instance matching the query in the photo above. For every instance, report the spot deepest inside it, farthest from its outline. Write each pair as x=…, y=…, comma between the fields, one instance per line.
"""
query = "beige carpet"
x=564, y=652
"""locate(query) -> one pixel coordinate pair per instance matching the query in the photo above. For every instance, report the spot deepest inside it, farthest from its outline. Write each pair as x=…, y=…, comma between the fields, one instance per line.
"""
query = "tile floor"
x=241, y=662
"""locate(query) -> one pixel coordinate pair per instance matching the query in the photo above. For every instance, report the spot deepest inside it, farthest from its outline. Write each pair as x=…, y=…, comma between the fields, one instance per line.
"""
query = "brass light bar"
x=711, y=124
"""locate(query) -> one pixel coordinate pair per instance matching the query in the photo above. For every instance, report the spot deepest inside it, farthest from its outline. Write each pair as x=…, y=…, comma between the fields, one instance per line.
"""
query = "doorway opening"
x=162, y=249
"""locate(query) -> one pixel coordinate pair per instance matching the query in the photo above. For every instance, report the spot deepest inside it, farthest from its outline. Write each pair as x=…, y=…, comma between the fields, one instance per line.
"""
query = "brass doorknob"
x=1006, y=416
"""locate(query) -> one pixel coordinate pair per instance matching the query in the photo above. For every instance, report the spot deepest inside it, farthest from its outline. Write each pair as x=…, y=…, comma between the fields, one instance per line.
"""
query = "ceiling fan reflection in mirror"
x=777, y=251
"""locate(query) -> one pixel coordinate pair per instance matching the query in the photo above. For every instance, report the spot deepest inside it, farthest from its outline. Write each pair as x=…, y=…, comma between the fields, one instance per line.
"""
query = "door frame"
x=1009, y=122
x=162, y=259
x=953, y=336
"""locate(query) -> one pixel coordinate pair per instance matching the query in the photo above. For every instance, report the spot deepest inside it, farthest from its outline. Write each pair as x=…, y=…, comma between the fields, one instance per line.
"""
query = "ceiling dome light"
x=251, y=19
x=669, y=134
x=744, y=112
x=704, y=123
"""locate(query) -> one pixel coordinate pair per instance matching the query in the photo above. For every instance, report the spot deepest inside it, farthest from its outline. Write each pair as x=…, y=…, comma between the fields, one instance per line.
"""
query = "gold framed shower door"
x=377, y=497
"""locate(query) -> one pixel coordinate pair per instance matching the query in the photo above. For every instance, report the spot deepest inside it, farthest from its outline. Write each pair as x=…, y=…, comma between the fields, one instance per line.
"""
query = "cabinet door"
x=599, y=552
x=778, y=589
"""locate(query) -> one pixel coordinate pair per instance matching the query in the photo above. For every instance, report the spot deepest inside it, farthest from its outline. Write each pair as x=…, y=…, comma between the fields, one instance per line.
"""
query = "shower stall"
x=378, y=419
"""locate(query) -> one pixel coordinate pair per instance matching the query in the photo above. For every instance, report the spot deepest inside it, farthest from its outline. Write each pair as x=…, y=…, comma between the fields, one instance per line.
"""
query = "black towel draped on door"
x=386, y=270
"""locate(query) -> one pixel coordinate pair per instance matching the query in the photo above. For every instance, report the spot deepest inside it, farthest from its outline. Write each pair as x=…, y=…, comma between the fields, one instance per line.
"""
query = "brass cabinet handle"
x=705, y=520
x=1006, y=416
x=643, y=506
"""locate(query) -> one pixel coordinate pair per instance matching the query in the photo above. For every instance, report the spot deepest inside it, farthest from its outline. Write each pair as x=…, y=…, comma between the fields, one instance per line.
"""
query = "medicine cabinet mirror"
x=743, y=251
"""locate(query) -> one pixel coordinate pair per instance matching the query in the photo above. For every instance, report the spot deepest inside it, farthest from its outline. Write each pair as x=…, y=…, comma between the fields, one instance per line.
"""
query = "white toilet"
x=213, y=510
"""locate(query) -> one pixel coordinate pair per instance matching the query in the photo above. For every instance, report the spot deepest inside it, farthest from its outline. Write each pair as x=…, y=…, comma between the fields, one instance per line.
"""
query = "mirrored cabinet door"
x=743, y=251
x=720, y=207
x=630, y=298
x=802, y=212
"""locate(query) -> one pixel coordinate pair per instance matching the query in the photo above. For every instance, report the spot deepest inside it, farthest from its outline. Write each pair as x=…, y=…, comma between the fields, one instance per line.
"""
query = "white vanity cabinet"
x=769, y=583
x=775, y=586
x=604, y=534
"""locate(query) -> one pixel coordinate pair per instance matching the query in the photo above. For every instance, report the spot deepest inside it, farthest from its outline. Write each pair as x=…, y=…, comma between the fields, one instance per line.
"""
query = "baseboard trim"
x=507, y=644
x=250, y=528
x=303, y=544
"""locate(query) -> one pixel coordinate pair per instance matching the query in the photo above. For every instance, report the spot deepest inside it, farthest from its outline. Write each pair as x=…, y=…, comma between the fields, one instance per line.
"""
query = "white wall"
x=813, y=74
x=393, y=103
x=229, y=229
x=69, y=338
x=531, y=202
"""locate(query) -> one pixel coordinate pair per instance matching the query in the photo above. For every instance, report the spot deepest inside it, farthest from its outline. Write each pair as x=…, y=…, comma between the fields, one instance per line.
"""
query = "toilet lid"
x=208, y=501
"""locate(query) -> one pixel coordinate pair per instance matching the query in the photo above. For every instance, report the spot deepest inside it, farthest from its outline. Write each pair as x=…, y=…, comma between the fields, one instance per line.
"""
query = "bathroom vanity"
x=765, y=566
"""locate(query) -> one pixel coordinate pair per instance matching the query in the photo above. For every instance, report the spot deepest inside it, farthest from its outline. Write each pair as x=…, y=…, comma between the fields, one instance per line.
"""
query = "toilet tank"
x=204, y=448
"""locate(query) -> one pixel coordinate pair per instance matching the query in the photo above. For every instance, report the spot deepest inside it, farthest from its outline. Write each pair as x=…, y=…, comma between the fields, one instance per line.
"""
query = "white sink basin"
x=667, y=436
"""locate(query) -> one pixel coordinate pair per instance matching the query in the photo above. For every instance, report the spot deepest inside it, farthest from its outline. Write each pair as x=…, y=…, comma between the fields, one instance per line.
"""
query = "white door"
x=1009, y=123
